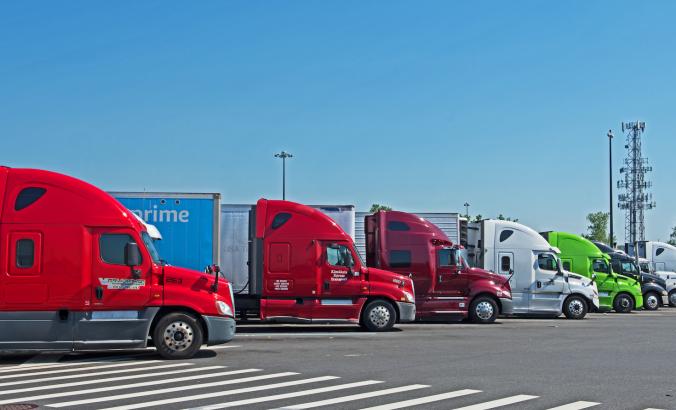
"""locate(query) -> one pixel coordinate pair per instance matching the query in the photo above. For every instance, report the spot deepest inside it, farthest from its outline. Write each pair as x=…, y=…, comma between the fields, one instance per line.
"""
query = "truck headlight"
x=409, y=297
x=223, y=308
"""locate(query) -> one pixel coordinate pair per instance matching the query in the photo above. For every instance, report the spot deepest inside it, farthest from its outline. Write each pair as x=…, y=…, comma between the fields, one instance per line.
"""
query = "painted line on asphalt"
x=424, y=400
x=289, y=395
x=129, y=386
x=170, y=390
x=112, y=379
x=78, y=362
x=158, y=403
x=105, y=366
x=271, y=335
x=499, y=402
x=578, y=405
x=79, y=376
x=354, y=397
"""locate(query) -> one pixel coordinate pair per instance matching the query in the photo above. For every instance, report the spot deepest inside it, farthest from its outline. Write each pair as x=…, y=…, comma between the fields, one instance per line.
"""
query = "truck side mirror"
x=132, y=254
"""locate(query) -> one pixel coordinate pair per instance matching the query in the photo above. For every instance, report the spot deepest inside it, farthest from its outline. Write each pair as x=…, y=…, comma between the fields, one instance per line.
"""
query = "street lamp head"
x=610, y=134
x=283, y=155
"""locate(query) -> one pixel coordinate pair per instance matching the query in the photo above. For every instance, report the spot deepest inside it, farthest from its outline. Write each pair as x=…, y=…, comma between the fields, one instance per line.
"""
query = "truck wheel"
x=672, y=298
x=483, y=310
x=623, y=303
x=178, y=336
x=378, y=316
x=651, y=301
x=575, y=307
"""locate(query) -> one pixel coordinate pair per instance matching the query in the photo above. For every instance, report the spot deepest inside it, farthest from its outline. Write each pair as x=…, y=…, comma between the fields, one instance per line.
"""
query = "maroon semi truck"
x=445, y=285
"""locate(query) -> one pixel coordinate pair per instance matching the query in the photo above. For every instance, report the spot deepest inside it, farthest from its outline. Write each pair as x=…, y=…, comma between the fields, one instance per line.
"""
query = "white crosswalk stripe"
x=578, y=405
x=28, y=373
x=354, y=397
x=424, y=400
x=287, y=395
x=184, y=399
x=114, y=379
x=499, y=403
x=35, y=366
x=79, y=376
x=171, y=390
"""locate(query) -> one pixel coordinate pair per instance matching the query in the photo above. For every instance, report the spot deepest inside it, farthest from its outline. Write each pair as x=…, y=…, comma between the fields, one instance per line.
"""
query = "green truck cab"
x=581, y=256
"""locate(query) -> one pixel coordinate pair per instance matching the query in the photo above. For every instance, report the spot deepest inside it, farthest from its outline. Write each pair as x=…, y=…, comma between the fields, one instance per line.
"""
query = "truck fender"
x=490, y=295
x=386, y=299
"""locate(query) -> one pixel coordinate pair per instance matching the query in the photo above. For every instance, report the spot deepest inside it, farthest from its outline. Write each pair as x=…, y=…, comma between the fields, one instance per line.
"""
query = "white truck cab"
x=669, y=277
x=539, y=285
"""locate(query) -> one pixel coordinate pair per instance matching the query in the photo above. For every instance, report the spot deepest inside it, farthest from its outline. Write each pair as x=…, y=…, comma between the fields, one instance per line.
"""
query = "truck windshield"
x=150, y=245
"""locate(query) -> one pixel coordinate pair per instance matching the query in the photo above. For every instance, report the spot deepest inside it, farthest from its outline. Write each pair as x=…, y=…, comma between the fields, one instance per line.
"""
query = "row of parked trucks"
x=82, y=269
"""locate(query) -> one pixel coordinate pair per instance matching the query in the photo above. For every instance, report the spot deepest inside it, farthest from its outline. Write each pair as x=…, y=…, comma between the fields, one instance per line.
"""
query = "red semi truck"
x=445, y=284
x=304, y=268
x=78, y=271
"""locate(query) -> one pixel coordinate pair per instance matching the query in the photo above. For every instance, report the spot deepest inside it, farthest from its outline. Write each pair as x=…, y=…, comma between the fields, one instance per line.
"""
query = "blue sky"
x=419, y=105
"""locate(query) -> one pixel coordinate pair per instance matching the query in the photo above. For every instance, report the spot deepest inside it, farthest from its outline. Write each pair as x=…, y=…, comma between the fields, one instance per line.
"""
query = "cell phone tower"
x=635, y=200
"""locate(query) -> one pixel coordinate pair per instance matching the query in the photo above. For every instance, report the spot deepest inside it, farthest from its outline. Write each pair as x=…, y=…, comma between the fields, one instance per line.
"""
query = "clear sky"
x=421, y=105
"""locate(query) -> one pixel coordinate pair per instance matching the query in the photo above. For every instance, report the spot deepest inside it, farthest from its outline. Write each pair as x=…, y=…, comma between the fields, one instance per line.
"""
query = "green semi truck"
x=581, y=256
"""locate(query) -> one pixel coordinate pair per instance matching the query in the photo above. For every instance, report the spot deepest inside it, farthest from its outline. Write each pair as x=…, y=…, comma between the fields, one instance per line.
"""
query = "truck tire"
x=672, y=298
x=378, y=316
x=651, y=301
x=575, y=307
x=178, y=335
x=483, y=309
x=623, y=303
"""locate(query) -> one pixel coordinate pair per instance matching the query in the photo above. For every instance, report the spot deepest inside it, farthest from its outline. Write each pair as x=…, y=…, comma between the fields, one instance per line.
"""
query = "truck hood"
x=196, y=281
x=387, y=277
x=477, y=273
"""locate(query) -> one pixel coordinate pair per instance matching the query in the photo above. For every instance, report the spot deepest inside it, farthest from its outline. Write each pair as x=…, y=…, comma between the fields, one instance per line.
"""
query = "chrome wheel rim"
x=178, y=336
x=379, y=316
x=575, y=307
x=624, y=302
x=484, y=310
x=651, y=301
x=672, y=298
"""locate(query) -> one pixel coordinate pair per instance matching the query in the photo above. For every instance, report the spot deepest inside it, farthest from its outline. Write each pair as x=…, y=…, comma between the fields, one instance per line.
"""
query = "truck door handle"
x=99, y=292
x=539, y=284
x=327, y=284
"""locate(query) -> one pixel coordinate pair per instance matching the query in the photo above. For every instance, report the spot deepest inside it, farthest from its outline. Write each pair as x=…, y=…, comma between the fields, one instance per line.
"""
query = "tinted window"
x=25, y=253
x=566, y=265
x=659, y=251
x=397, y=226
x=547, y=261
x=280, y=219
x=445, y=257
x=599, y=265
x=27, y=196
x=112, y=247
x=400, y=259
x=339, y=255
x=505, y=234
x=505, y=264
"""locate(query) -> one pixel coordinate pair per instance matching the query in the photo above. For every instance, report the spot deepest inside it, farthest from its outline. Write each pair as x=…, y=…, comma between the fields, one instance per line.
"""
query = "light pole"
x=610, y=185
x=466, y=205
x=283, y=155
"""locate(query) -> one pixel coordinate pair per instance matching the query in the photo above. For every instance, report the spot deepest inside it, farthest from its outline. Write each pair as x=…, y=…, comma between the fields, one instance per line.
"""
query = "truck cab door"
x=120, y=290
x=604, y=281
x=450, y=280
x=519, y=281
x=549, y=284
x=341, y=281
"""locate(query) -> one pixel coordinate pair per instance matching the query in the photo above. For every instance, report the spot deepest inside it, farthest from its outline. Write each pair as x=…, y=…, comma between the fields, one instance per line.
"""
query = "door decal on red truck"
x=119, y=283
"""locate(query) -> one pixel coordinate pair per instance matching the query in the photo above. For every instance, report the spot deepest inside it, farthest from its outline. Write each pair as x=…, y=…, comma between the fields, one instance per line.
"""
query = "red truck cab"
x=79, y=272
x=304, y=268
x=445, y=285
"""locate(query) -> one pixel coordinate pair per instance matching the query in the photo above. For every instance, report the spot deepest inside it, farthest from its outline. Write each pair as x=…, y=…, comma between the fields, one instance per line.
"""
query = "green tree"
x=598, y=227
x=477, y=218
x=507, y=218
x=377, y=207
x=672, y=236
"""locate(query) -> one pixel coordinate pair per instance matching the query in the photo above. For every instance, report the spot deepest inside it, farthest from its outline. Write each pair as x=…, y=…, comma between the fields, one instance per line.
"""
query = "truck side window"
x=27, y=197
x=112, y=247
x=505, y=264
x=339, y=255
x=599, y=265
x=546, y=262
x=25, y=253
x=445, y=258
x=280, y=219
x=400, y=259
x=397, y=226
x=504, y=235
x=659, y=251
x=566, y=265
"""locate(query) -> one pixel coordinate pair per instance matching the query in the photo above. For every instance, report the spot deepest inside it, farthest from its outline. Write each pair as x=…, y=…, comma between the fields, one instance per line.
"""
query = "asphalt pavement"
x=607, y=361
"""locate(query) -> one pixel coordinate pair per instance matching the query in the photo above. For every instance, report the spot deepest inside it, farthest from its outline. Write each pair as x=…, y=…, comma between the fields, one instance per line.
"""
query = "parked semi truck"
x=661, y=255
x=80, y=272
x=581, y=256
x=303, y=267
x=445, y=285
x=653, y=287
x=539, y=284
x=669, y=278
